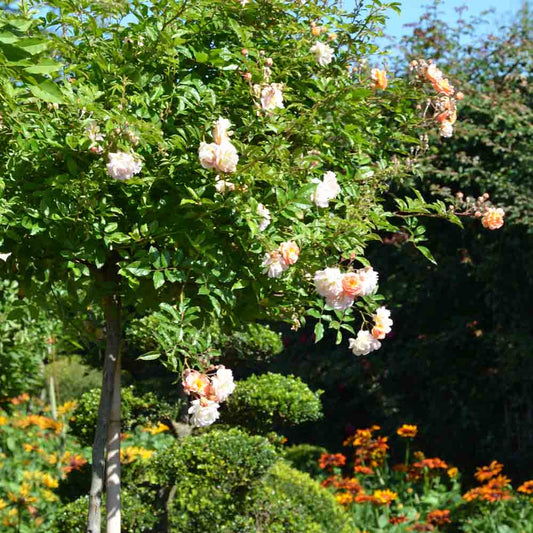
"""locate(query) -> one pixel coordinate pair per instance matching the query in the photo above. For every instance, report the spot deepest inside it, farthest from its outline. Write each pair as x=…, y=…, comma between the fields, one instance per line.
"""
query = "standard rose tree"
x=211, y=158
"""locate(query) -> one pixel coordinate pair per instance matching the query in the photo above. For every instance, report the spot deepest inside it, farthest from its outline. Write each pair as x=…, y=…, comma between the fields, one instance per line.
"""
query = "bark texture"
x=111, y=305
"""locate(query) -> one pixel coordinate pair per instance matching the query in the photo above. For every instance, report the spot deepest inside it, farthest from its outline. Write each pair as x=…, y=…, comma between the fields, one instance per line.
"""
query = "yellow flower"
x=49, y=496
x=452, y=472
x=407, y=431
x=52, y=459
x=3, y=420
x=384, y=497
x=132, y=453
x=67, y=407
x=155, y=430
x=3, y=504
x=49, y=481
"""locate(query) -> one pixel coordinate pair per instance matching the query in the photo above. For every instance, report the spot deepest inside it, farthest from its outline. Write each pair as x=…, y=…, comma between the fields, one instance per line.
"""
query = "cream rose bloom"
x=203, y=412
x=340, y=302
x=222, y=383
x=264, y=213
x=221, y=131
x=289, y=251
x=326, y=190
x=369, y=280
x=493, y=218
x=272, y=97
x=195, y=382
x=223, y=186
x=382, y=323
x=323, y=53
x=274, y=265
x=123, y=165
x=226, y=157
x=364, y=343
x=207, y=153
x=328, y=282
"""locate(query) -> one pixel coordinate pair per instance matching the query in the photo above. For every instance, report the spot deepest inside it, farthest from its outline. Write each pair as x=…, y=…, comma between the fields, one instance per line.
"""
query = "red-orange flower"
x=486, y=472
x=329, y=460
x=526, y=488
x=74, y=462
x=350, y=485
x=364, y=470
x=407, y=431
x=400, y=519
x=438, y=517
x=431, y=463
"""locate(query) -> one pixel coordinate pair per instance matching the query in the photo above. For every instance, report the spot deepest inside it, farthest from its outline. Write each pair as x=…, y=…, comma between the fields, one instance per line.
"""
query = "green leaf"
x=159, y=279
x=319, y=331
x=47, y=91
x=426, y=253
x=150, y=356
x=33, y=46
x=138, y=269
x=45, y=66
x=8, y=38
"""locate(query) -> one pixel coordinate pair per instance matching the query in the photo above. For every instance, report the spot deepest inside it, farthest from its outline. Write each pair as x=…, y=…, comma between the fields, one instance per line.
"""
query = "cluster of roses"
x=221, y=154
x=491, y=217
x=209, y=390
x=277, y=261
x=323, y=52
x=340, y=291
x=121, y=165
x=445, y=102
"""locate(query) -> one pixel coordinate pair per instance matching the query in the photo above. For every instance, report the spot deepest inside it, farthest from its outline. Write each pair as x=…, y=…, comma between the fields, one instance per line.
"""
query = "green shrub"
x=213, y=473
x=269, y=401
x=135, y=410
x=289, y=500
x=254, y=340
x=139, y=513
x=305, y=457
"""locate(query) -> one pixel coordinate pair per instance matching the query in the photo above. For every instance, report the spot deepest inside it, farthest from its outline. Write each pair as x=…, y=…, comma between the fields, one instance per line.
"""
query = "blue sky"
x=412, y=9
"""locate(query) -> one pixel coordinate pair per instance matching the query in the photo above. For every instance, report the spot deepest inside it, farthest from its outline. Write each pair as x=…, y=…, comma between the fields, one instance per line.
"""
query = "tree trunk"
x=111, y=306
x=113, y=459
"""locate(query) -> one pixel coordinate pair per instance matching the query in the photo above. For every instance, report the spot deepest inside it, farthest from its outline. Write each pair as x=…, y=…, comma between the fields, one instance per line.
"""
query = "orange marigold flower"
x=74, y=462
x=499, y=482
x=20, y=399
x=363, y=498
x=407, y=431
x=526, y=488
x=431, y=463
x=400, y=519
x=332, y=481
x=384, y=497
x=379, y=78
x=350, y=485
x=329, y=460
x=31, y=447
x=438, y=517
x=364, y=470
x=483, y=473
